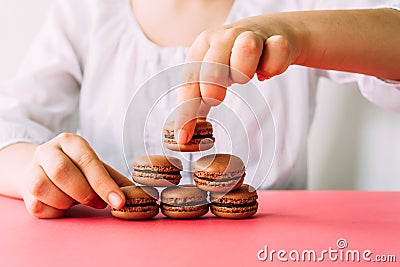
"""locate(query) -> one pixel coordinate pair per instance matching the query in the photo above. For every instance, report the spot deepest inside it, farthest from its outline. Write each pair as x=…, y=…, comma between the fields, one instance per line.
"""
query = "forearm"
x=14, y=161
x=362, y=41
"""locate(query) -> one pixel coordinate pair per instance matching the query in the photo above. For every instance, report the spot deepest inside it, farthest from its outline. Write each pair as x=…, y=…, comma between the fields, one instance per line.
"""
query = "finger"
x=203, y=110
x=120, y=179
x=246, y=53
x=276, y=57
x=83, y=156
x=188, y=104
x=43, y=189
x=214, y=73
x=63, y=173
x=40, y=210
x=189, y=96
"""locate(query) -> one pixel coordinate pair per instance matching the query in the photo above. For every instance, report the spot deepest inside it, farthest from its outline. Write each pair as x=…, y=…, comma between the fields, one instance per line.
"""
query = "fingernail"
x=261, y=77
x=182, y=137
x=114, y=199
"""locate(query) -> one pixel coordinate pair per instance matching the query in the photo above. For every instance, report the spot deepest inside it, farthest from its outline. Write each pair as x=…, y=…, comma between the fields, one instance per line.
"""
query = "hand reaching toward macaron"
x=230, y=54
x=268, y=44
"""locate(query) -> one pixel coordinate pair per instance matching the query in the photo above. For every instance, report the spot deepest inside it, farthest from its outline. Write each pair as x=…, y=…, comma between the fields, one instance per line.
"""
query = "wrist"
x=14, y=162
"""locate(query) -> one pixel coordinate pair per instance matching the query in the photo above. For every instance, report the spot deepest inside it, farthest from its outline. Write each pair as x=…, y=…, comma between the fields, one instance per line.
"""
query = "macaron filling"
x=218, y=180
x=135, y=204
x=238, y=212
x=190, y=204
x=157, y=172
x=226, y=200
x=142, y=207
x=193, y=137
x=232, y=205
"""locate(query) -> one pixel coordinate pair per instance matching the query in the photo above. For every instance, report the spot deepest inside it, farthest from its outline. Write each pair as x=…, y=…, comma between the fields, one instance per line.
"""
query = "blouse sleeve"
x=41, y=101
x=384, y=93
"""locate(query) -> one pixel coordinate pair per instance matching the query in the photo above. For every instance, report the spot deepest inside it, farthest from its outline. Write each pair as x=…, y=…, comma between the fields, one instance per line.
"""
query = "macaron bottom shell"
x=234, y=212
x=194, y=145
x=184, y=212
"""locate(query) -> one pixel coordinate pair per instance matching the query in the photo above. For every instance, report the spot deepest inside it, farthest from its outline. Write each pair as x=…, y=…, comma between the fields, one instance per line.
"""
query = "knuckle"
x=89, y=199
x=85, y=160
x=204, y=36
x=222, y=36
x=248, y=44
x=215, y=73
x=213, y=95
x=283, y=43
x=210, y=76
x=40, y=151
x=60, y=172
x=37, y=208
x=39, y=187
x=241, y=78
x=66, y=136
x=71, y=139
x=232, y=32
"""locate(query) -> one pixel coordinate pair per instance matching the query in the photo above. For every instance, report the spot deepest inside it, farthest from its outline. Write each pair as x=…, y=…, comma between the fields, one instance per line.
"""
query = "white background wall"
x=353, y=144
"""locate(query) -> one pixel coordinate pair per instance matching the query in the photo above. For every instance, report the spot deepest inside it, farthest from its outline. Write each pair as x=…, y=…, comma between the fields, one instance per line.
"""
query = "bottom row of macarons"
x=186, y=202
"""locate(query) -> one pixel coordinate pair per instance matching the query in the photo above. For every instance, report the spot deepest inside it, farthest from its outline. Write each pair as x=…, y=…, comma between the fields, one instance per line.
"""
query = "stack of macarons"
x=218, y=177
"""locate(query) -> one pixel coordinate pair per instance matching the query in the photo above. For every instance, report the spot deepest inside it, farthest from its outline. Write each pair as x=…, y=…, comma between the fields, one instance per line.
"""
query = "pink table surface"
x=287, y=220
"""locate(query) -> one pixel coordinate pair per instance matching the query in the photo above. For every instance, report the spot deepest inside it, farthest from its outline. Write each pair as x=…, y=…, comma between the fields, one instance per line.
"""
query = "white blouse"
x=92, y=70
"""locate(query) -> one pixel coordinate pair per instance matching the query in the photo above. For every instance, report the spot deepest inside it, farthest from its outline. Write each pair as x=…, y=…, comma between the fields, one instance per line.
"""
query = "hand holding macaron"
x=268, y=44
x=230, y=54
x=66, y=171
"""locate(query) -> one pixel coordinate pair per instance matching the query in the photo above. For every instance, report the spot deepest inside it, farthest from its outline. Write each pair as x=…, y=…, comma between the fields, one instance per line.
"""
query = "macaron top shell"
x=140, y=194
x=180, y=195
x=245, y=194
x=215, y=165
x=158, y=163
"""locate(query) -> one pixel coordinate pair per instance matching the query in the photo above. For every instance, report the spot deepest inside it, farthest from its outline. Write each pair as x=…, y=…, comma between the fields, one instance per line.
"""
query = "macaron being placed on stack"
x=238, y=204
x=202, y=137
x=140, y=203
x=219, y=172
x=184, y=202
x=157, y=170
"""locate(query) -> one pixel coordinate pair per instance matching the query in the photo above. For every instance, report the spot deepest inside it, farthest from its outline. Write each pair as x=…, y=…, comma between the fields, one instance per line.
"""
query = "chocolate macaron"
x=238, y=204
x=202, y=137
x=157, y=170
x=140, y=203
x=184, y=202
x=219, y=172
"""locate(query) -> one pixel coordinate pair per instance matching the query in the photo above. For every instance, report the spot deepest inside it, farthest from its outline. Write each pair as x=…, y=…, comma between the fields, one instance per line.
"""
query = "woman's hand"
x=238, y=51
x=344, y=40
x=66, y=171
